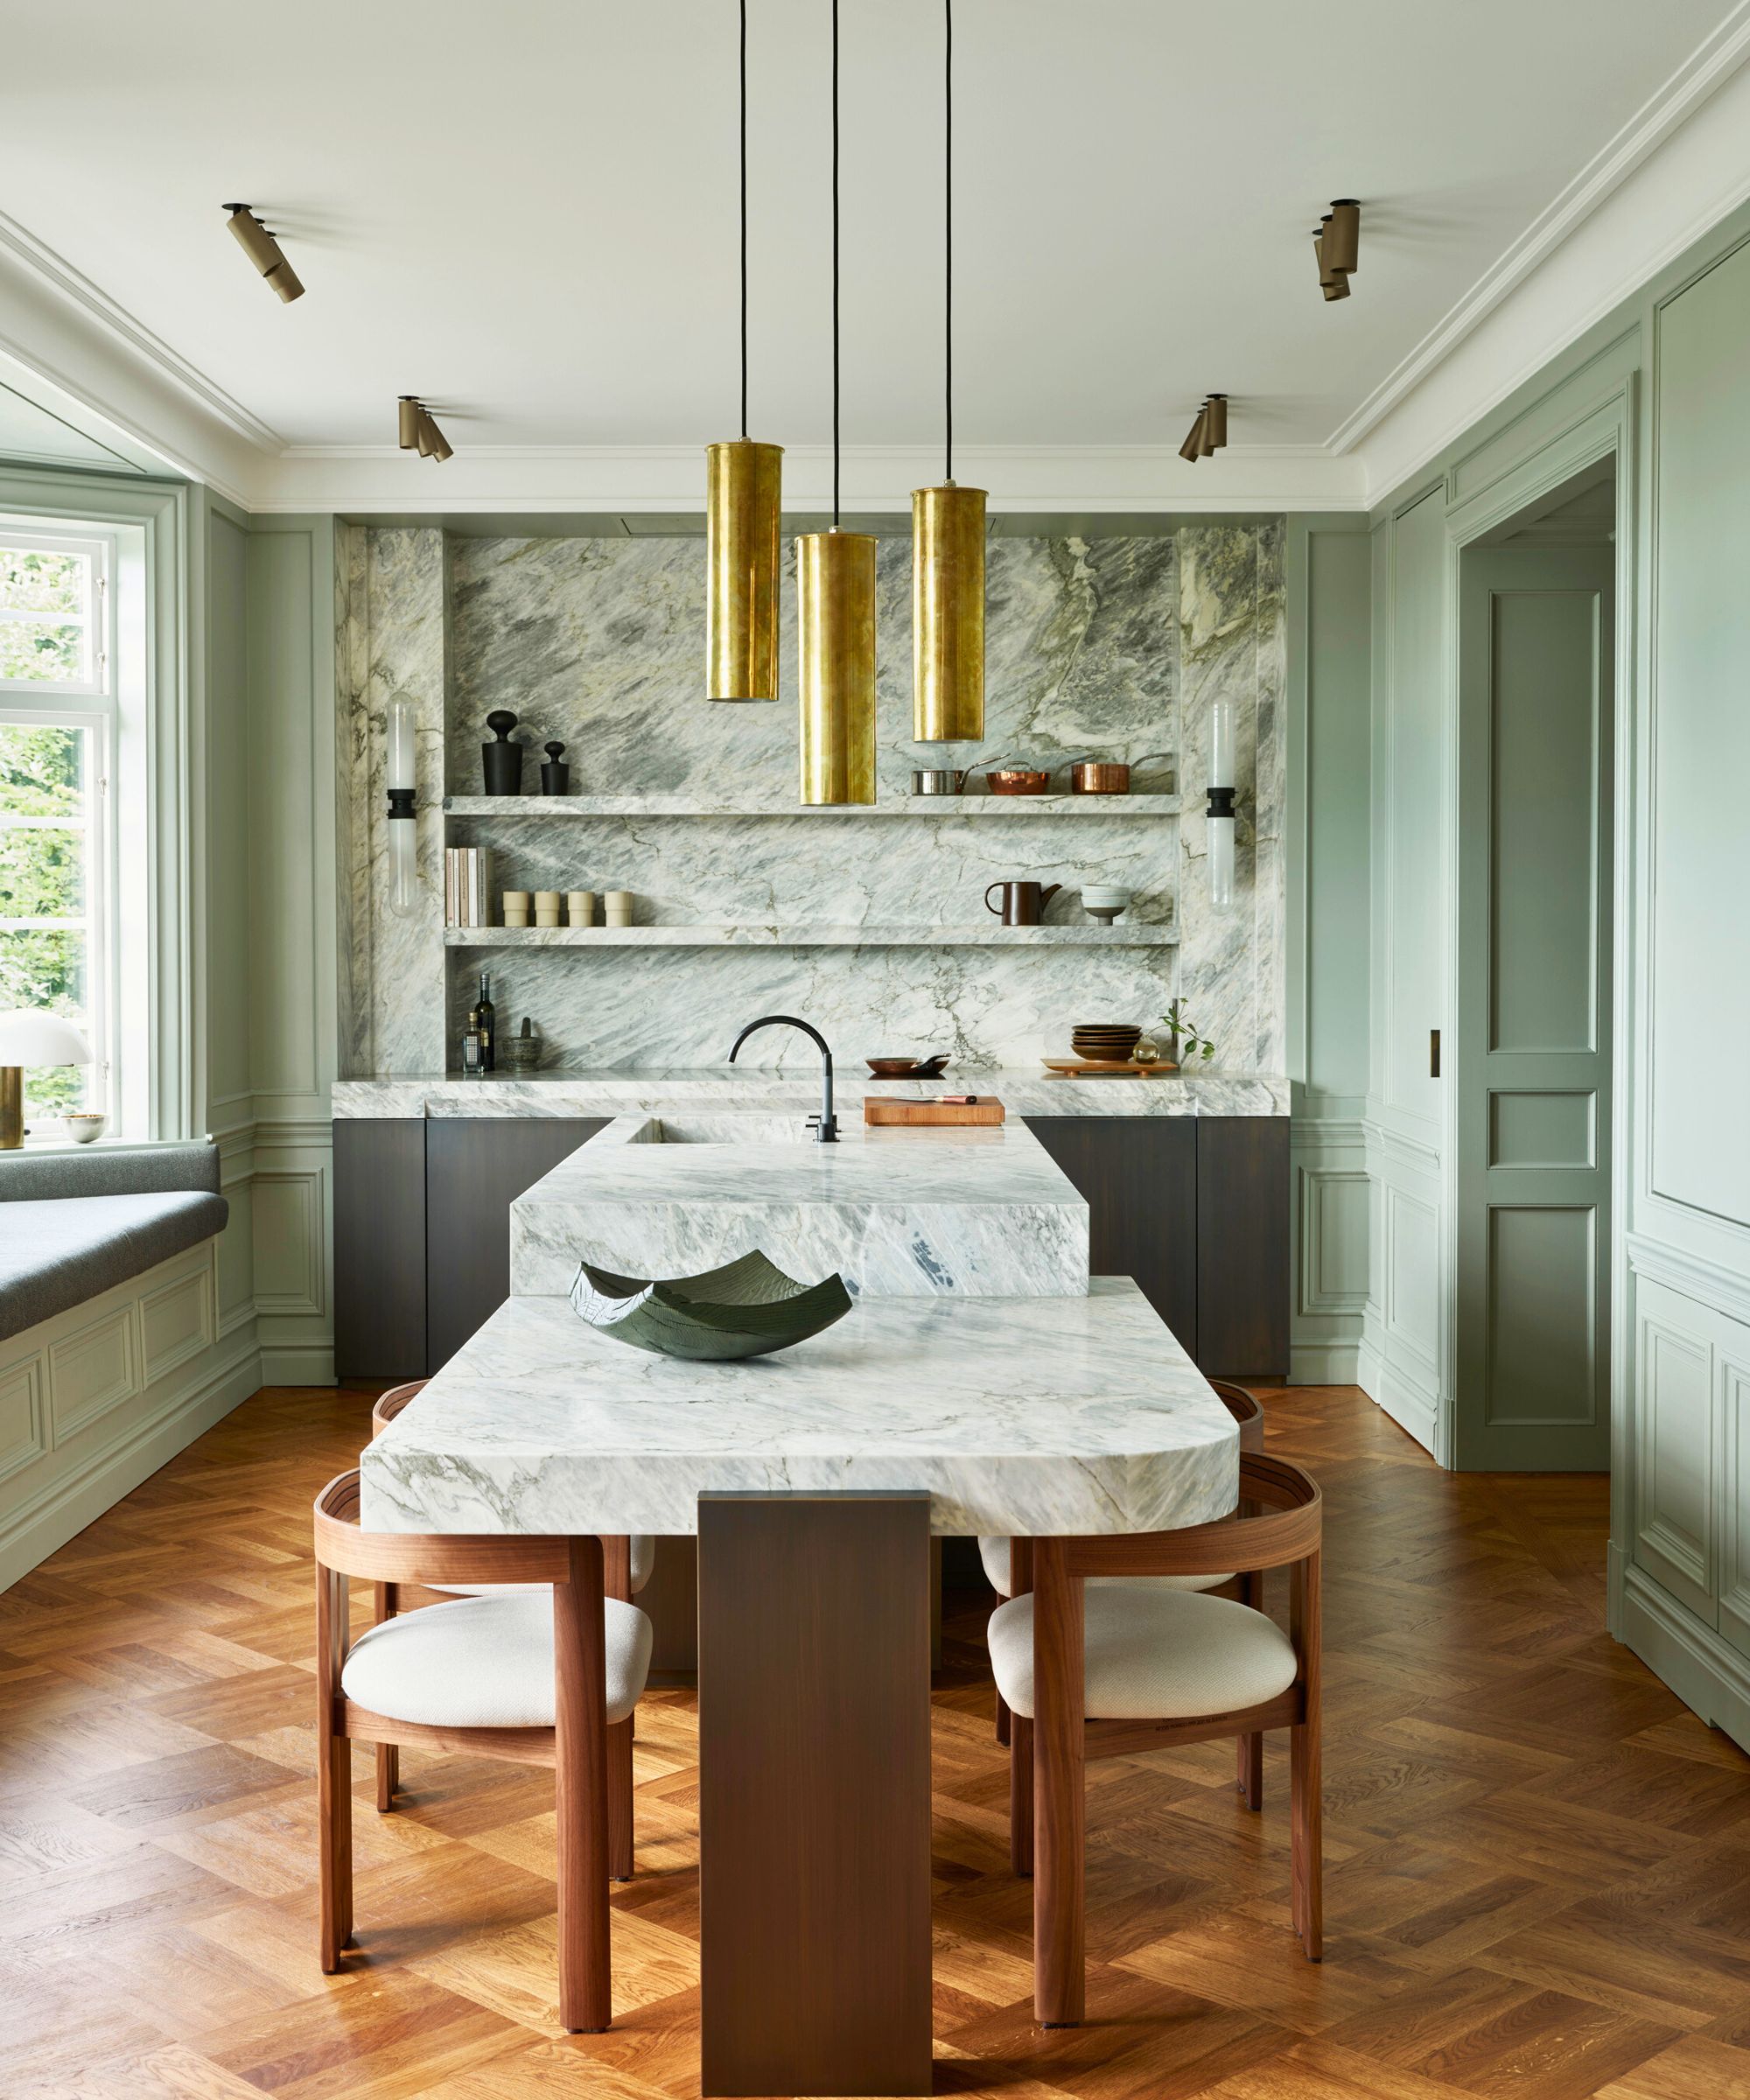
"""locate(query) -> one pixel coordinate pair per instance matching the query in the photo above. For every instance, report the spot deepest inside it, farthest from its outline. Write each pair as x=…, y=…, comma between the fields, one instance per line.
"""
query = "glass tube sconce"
x=1219, y=820
x=400, y=778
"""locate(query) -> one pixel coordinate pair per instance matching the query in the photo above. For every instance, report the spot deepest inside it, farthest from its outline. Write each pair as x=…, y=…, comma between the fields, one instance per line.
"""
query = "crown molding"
x=54, y=271
x=1707, y=68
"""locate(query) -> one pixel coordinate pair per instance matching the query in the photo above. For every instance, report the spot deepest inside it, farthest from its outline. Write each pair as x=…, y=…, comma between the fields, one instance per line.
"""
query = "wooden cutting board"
x=1103, y=1067
x=926, y=1115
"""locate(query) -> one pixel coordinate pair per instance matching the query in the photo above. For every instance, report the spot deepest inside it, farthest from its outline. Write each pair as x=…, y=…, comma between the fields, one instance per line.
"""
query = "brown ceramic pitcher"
x=1023, y=903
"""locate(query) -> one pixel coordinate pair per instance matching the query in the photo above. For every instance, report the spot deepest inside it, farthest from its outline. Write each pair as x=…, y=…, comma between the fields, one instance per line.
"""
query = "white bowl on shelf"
x=85, y=1126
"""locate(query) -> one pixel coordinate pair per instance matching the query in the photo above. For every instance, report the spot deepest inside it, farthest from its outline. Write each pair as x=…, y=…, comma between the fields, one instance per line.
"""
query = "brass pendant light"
x=947, y=537
x=743, y=497
x=836, y=609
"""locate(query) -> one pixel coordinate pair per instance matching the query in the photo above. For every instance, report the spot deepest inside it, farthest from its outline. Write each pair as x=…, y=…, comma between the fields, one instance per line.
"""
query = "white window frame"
x=92, y=705
x=99, y=550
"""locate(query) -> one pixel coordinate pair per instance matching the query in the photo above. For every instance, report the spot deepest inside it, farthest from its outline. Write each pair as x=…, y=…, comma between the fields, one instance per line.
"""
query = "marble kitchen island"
x=812, y=1479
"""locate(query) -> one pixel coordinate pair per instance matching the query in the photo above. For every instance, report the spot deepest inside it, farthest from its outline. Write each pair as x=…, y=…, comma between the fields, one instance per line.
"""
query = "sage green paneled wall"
x=1330, y=597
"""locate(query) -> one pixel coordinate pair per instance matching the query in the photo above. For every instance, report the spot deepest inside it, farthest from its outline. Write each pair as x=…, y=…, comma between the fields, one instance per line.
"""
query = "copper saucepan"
x=1020, y=779
x=1090, y=776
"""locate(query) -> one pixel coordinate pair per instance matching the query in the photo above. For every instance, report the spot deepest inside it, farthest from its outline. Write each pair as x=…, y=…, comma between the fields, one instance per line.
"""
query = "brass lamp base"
x=11, y=1108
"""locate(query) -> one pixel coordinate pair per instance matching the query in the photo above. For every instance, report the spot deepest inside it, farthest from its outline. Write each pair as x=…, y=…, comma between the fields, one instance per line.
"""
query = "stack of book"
x=467, y=886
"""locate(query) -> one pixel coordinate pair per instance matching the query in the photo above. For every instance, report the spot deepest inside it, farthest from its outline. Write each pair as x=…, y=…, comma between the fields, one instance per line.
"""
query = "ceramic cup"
x=547, y=904
x=516, y=908
x=580, y=907
x=85, y=1125
x=619, y=904
x=1104, y=902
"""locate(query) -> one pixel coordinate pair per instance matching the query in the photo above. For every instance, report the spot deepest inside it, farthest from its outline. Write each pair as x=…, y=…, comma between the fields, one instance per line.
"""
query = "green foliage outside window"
x=43, y=877
x=44, y=608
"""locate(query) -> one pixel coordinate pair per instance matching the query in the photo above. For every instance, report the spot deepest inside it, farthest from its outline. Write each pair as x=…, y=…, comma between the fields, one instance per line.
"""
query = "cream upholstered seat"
x=994, y=1552
x=485, y=1660
x=1152, y=1653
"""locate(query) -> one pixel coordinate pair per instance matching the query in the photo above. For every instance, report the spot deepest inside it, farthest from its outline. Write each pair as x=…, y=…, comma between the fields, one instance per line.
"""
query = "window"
x=57, y=739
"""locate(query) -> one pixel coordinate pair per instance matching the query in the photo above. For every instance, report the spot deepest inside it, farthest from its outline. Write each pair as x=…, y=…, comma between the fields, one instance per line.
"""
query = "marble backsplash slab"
x=1114, y=646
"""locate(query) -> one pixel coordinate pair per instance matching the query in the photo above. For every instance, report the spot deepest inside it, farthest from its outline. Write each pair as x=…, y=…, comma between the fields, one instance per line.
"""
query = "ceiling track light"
x=1209, y=433
x=259, y=245
x=416, y=432
x=1337, y=247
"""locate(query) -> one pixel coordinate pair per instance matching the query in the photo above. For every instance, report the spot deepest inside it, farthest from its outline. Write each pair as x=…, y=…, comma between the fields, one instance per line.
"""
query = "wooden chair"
x=538, y=1679
x=1247, y=1587
x=628, y=1563
x=1132, y=1666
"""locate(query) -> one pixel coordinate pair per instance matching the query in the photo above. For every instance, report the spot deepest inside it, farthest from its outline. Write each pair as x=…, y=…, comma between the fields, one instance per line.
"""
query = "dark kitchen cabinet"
x=421, y=1230
x=380, y=1248
x=1194, y=1208
x=476, y=1167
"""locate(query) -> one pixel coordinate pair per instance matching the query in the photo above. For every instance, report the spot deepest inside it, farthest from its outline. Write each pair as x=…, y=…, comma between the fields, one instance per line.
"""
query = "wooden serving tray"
x=924, y=1115
x=1101, y=1067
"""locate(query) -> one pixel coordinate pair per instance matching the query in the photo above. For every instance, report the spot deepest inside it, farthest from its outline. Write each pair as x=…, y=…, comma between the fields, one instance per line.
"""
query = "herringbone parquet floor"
x=1538, y=1863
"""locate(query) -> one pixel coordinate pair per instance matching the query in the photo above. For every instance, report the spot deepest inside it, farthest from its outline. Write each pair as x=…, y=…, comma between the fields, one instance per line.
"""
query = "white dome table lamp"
x=31, y=1038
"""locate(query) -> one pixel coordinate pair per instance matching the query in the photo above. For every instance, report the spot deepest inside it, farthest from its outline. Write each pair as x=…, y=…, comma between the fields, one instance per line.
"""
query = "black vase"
x=502, y=760
x=555, y=777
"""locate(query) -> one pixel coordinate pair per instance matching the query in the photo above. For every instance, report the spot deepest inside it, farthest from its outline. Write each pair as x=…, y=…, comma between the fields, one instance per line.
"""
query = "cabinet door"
x=380, y=1248
x=476, y=1167
x=1243, y=1279
x=1139, y=1174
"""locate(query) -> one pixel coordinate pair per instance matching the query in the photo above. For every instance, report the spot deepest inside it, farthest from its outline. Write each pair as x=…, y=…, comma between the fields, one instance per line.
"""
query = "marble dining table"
x=814, y=1480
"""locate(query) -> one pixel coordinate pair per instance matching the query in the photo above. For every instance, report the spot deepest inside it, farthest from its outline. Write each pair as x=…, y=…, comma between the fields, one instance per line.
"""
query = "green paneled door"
x=1531, y=1063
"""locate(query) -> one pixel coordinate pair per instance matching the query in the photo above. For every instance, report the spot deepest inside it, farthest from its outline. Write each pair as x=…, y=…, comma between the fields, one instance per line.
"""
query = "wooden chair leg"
x=388, y=1776
x=1002, y=1718
x=1307, y=1838
x=1021, y=1795
x=581, y=1791
x=334, y=1828
x=1248, y=1767
x=1059, y=1804
x=619, y=1800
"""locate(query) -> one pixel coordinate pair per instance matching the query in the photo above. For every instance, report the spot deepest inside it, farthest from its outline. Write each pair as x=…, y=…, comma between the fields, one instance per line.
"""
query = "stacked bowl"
x=1105, y=1042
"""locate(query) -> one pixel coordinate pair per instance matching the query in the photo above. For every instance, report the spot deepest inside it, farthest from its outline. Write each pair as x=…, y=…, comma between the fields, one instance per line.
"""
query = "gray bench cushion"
x=58, y=1252
x=154, y=1170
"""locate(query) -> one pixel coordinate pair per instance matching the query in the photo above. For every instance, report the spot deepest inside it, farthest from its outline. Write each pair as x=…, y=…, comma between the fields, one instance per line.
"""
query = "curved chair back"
x=434, y=1559
x=1288, y=1528
x=1247, y=1411
x=391, y=1404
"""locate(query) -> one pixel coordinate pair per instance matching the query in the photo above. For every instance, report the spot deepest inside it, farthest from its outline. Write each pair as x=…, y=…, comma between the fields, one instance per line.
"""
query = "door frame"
x=1603, y=430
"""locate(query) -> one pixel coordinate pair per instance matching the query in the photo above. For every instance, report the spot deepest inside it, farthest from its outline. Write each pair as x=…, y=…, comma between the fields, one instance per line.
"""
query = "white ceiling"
x=528, y=213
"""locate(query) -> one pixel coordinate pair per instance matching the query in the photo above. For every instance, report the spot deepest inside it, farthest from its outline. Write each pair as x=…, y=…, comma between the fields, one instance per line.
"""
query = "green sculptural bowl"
x=746, y=1308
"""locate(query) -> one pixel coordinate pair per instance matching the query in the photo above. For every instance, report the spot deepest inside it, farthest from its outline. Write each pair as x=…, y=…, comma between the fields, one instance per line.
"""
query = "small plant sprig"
x=1182, y=1040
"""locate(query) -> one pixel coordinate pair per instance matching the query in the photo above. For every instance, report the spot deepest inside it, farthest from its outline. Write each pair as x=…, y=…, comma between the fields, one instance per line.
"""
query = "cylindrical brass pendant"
x=409, y=420
x=1332, y=282
x=1215, y=422
x=836, y=627
x=11, y=1108
x=947, y=615
x=743, y=497
x=1193, y=447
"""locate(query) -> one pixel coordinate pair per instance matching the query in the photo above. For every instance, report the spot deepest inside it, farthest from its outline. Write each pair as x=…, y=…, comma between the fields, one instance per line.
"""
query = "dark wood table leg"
x=1059, y=1803
x=815, y=1793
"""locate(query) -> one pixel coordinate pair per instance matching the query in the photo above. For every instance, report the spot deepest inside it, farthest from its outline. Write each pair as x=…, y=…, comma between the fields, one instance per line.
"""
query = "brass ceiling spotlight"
x=418, y=432
x=1209, y=433
x=1337, y=246
x=263, y=251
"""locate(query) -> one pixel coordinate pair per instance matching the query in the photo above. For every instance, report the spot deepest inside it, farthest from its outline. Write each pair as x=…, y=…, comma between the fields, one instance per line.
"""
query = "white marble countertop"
x=981, y=1212
x=753, y=1089
x=1023, y=1416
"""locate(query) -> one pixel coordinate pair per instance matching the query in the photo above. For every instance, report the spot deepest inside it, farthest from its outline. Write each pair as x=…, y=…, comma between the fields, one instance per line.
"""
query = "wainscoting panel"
x=93, y=1369
x=175, y=1323
x=1674, y=1484
x=1330, y=1223
x=22, y=1428
x=1733, y=1399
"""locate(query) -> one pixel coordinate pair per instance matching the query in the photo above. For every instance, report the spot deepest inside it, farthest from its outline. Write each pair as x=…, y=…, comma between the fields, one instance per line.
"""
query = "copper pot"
x=1090, y=778
x=1014, y=779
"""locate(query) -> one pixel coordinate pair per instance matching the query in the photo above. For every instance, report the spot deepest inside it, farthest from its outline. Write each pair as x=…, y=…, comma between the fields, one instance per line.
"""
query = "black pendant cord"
x=835, y=265
x=948, y=236
x=743, y=221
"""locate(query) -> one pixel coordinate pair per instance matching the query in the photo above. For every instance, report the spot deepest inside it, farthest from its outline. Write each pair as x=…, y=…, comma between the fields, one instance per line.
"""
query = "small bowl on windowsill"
x=85, y=1126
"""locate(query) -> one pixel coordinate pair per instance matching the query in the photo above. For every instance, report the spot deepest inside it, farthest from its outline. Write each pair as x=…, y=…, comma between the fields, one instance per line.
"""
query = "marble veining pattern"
x=1112, y=648
x=616, y=1093
x=1028, y=1417
x=970, y=1212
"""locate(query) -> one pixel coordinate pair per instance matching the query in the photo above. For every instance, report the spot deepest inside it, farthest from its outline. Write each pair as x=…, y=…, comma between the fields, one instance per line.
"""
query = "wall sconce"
x=1219, y=820
x=263, y=251
x=400, y=777
x=1337, y=246
x=416, y=432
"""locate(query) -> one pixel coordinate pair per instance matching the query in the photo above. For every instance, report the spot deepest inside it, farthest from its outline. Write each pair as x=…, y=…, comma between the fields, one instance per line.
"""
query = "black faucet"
x=825, y=1125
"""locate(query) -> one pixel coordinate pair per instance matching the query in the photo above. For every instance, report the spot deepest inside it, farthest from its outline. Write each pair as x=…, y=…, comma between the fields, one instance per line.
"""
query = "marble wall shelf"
x=576, y=806
x=993, y=935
